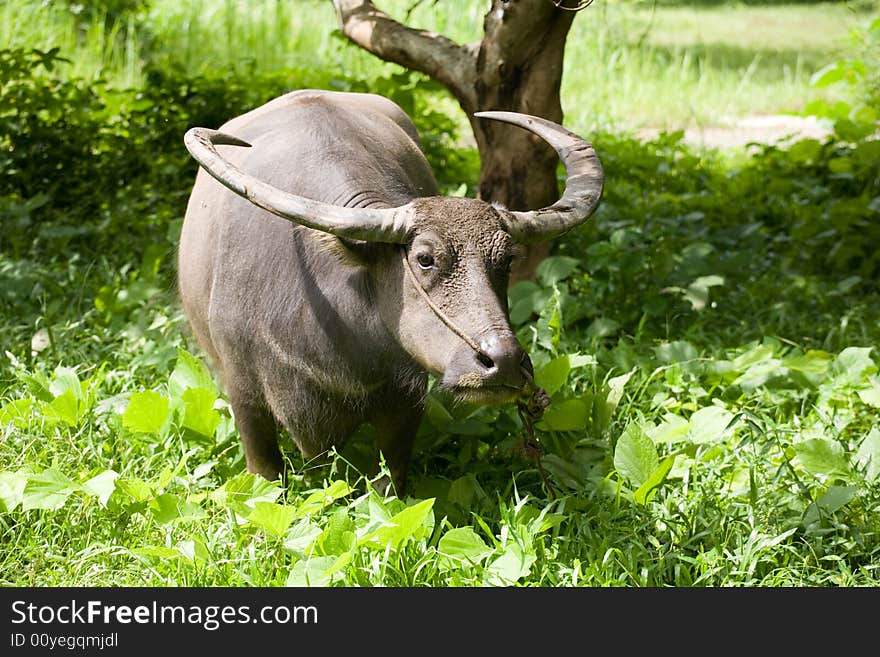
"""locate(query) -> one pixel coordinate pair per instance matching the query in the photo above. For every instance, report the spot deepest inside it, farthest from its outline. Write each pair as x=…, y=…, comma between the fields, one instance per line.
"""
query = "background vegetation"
x=709, y=339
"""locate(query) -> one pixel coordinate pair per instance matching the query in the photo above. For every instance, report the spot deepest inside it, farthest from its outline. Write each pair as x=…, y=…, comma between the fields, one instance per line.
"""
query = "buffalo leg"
x=259, y=436
x=395, y=435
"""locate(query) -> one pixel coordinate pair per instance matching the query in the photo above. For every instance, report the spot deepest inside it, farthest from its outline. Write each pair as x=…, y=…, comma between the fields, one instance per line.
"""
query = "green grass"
x=714, y=419
x=626, y=66
x=93, y=50
x=710, y=340
x=677, y=67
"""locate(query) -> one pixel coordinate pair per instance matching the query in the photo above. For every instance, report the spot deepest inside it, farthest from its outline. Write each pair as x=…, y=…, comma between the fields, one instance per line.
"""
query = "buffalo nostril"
x=505, y=362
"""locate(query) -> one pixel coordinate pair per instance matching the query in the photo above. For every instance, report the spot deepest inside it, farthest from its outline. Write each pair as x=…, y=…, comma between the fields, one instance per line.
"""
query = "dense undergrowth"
x=709, y=341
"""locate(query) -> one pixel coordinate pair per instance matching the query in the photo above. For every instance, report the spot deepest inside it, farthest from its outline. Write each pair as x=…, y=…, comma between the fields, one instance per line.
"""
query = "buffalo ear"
x=354, y=253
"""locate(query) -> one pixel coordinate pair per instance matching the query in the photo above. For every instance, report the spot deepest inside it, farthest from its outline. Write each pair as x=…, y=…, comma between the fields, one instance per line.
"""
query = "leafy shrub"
x=84, y=163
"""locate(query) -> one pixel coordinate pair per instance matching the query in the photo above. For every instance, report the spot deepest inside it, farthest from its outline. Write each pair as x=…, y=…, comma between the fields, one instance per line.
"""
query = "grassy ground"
x=710, y=341
x=627, y=66
x=677, y=67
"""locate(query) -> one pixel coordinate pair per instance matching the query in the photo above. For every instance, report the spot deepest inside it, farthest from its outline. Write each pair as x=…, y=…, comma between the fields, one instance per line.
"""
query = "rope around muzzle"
x=533, y=399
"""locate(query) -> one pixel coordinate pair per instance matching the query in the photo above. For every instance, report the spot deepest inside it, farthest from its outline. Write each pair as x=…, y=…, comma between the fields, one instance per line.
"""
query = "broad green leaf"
x=549, y=324
x=758, y=374
x=567, y=472
x=602, y=327
x=64, y=408
x=568, y=415
x=813, y=364
x=870, y=395
x=189, y=372
x=321, y=498
x=849, y=70
x=822, y=456
x=673, y=428
x=160, y=552
x=554, y=374
x=469, y=427
x=136, y=489
x=301, y=536
x=852, y=365
x=409, y=523
x=606, y=401
x=836, y=497
x=272, y=517
x=697, y=293
x=437, y=414
x=47, y=490
x=710, y=424
x=521, y=311
x=522, y=290
x=203, y=469
x=161, y=480
x=379, y=514
x=512, y=565
x=682, y=467
x=554, y=269
x=615, y=388
x=465, y=490
x=146, y=412
x=101, y=486
x=12, y=486
x=740, y=482
x=338, y=536
x=676, y=352
x=840, y=165
x=463, y=543
x=647, y=490
x=314, y=571
x=165, y=508
x=199, y=414
x=868, y=455
x=65, y=379
x=754, y=356
x=635, y=456
x=38, y=384
x=169, y=507
x=525, y=299
x=243, y=491
x=193, y=550
x=18, y=412
x=827, y=75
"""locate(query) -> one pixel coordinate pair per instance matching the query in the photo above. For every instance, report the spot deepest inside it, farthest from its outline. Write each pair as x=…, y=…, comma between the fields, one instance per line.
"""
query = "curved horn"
x=583, y=184
x=371, y=225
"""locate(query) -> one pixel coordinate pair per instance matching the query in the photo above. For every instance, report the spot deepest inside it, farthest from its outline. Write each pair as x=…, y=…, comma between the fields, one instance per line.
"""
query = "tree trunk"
x=516, y=66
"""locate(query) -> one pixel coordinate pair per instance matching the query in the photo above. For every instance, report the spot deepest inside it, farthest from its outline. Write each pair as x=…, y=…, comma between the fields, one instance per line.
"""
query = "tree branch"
x=515, y=31
x=452, y=65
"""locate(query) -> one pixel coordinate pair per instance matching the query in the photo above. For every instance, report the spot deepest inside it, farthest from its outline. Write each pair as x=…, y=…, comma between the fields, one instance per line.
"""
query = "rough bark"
x=516, y=66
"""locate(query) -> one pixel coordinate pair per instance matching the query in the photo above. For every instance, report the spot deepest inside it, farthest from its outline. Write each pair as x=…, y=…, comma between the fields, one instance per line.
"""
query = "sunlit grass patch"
x=709, y=340
x=626, y=66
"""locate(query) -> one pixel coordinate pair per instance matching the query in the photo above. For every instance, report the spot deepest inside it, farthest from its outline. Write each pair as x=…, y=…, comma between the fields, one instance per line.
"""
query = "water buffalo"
x=325, y=276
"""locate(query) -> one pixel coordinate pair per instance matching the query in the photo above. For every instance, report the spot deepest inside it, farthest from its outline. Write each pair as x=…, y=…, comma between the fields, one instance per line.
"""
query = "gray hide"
x=316, y=333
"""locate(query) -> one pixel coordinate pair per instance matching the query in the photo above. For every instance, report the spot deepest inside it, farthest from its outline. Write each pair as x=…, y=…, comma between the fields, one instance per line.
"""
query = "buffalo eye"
x=425, y=260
